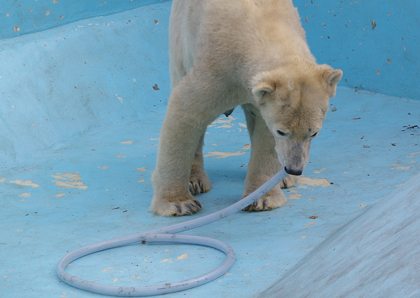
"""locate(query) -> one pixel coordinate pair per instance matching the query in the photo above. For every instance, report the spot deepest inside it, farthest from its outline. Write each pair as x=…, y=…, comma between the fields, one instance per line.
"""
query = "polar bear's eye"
x=314, y=135
x=280, y=133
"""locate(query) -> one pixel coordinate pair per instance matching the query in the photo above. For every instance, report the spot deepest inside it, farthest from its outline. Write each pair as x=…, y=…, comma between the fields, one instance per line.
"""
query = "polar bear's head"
x=293, y=101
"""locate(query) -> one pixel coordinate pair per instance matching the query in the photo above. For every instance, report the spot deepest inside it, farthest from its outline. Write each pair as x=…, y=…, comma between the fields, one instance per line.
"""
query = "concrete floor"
x=81, y=109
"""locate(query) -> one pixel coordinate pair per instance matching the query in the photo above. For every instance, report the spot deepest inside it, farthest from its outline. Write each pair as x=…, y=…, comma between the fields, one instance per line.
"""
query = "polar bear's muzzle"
x=293, y=171
x=293, y=155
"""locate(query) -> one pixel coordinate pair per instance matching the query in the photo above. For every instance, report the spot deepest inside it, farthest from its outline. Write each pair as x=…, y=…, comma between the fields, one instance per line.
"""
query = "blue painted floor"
x=81, y=108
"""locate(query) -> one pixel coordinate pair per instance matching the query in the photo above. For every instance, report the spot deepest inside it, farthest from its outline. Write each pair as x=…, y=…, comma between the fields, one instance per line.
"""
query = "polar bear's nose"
x=293, y=171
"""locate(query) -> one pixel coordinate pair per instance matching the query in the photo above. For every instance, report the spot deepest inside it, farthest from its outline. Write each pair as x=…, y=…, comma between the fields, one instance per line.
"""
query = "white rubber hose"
x=166, y=234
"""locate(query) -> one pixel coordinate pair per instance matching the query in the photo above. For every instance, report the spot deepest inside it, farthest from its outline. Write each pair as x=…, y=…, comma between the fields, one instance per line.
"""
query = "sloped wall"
x=22, y=17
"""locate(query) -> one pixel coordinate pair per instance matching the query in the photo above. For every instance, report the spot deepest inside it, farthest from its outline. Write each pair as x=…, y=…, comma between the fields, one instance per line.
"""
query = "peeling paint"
x=312, y=182
x=25, y=195
x=120, y=156
x=412, y=154
x=127, y=142
x=223, y=120
x=2, y=179
x=166, y=261
x=24, y=183
x=224, y=154
x=320, y=171
x=68, y=180
x=401, y=168
x=182, y=257
x=143, y=169
x=294, y=195
x=246, y=146
x=108, y=269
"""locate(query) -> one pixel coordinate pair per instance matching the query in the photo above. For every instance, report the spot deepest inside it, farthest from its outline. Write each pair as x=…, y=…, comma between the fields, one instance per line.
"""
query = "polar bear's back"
x=234, y=30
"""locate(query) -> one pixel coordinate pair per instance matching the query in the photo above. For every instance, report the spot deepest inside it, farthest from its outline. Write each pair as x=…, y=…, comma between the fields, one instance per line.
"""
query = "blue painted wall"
x=375, y=43
x=23, y=17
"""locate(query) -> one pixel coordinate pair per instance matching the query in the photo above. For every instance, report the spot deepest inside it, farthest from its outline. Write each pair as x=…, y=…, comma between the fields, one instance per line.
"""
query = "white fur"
x=225, y=53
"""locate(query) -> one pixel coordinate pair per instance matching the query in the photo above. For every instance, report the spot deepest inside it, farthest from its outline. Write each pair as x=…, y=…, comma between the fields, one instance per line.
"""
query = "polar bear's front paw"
x=199, y=182
x=184, y=205
x=268, y=202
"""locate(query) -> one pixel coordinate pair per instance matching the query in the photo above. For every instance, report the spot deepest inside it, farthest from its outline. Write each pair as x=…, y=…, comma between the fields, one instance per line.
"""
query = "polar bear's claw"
x=185, y=205
x=196, y=188
x=267, y=202
x=199, y=182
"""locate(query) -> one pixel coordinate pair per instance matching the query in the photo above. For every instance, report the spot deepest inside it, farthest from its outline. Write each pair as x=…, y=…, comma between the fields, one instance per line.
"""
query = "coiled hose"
x=167, y=234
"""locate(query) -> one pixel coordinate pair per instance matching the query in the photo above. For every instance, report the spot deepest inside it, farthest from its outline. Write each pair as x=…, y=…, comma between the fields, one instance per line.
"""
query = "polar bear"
x=223, y=54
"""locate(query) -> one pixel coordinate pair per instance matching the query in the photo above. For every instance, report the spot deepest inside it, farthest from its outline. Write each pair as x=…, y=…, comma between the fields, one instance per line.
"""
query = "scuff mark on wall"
x=309, y=224
x=68, y=180
x=120, y=98
x=373, y=25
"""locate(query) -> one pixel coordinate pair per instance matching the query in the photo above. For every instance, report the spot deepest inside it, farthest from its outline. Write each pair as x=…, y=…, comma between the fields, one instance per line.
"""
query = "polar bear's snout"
x=296, y=172
x=293, y=155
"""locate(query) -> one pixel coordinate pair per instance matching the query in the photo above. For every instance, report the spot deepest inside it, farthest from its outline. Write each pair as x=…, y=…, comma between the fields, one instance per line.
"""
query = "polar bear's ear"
x=261, y=89
x=332, y=77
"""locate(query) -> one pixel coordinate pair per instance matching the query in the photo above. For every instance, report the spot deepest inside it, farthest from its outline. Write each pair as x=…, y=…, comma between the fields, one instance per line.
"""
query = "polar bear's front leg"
x=184, y=125
x=177, y=146
x=263, y=164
